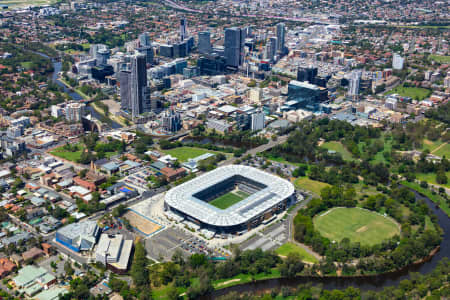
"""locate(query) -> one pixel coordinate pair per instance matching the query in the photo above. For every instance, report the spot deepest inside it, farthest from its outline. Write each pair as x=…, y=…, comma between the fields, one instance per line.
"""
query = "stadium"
x=231, y=199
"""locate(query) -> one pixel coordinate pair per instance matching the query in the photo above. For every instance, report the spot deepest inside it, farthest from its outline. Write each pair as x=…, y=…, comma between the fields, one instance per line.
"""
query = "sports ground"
x=229, y=199
x=359, y=225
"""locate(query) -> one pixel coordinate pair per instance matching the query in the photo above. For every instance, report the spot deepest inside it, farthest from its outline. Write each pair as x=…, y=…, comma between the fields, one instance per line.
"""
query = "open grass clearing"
x=184, y=153
x=443, y=59
x=288, y=248
x=431, y=178
x=442, y=150
x=281, y=160
x=245, y=278
x=430, y=145
x=359, y=225
x=68, y=155
x=15, y=4
x=74, y=155
x=310, y=185
x=428, y=224
x=339, y=148
x=413, y=92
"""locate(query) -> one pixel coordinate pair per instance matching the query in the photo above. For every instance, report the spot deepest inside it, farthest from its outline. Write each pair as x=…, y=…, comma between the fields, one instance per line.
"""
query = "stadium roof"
x=182, y=199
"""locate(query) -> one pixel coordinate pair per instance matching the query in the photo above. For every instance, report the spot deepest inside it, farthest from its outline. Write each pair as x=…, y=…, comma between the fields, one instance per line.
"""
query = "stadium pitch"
x=229, y=199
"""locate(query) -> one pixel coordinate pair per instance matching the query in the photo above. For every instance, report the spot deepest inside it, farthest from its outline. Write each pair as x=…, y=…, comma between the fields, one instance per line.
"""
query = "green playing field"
x=229, y=199
x=359, y=225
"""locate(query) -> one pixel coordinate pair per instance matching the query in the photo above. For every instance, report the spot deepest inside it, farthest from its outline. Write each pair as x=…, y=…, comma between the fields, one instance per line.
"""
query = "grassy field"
x=228, y=199
x=310, y=185
x=288, y=247
x=68, y=155
x=379, y=157
x=27, y=65
x=74, y=156
x=431, y=178
x=426, y=192
x=15, y=4
x=244, y=278
x=430, y=145
x=338, y=147
x=281, y=160
x=413, y=92
x=184, y=153
x=86, y=46
x=442, y=151
x=428, y=224
x=359, y=225
x=443, y=59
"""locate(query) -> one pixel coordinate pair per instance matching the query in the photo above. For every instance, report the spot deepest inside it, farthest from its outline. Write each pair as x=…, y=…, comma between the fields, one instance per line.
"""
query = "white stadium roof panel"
x=275, y=191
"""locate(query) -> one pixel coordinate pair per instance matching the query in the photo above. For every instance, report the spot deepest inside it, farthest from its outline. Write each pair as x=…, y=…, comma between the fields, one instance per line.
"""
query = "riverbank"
x=436, y=198
x=110, y=116
x=242, y=279
x=63, y=81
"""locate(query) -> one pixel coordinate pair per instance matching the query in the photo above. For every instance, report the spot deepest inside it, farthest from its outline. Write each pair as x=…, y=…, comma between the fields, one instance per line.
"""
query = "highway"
x=259, y=16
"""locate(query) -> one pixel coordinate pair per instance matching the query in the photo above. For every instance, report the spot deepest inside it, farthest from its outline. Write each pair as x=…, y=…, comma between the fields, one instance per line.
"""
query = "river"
x=57, y=66
x=363, y=283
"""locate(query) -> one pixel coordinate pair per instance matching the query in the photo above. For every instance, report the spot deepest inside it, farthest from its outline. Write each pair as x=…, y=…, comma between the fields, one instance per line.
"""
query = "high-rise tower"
x=183, y=30
x=234, y=46
x=204, y=42
x=281, y=32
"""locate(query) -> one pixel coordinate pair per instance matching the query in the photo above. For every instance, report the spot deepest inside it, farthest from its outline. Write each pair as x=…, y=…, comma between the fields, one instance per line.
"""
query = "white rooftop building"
x=114, y=250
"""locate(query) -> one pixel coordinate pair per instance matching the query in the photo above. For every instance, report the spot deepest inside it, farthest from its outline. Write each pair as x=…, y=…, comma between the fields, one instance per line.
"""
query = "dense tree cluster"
x=441, y=113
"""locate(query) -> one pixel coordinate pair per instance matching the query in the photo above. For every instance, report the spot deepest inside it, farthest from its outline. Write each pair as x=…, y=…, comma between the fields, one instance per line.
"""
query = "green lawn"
x=27, y=65
x=359, y=225
x=244, y=278
x=281, y=160
x=428, y=224
x=14, y=4
x=68, y=155
x=426, y=192
x=310, y=185
x=431, y=178
x=74, y=156
x=413, y=92
x=430, y=145
x=184, y=153
x=379, y=157
x=86, y=46
x=443, y=151
x=338, y=147
x=228, y=200
x=443, y=59
x=288, y=247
